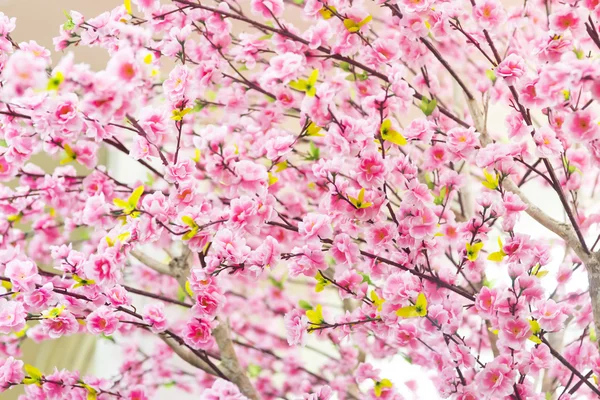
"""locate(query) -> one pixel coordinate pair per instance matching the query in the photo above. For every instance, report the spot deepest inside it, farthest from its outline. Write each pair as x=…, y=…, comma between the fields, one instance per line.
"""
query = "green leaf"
x=362, y=77
x=253, y=370
x=67, y=26
x=351, y=78
x=199, y=106
x=299, y=2
x=366, y=278
x=439, y=199
x=276, y=283
x=305, y=305
x=428, y=181
x=3, y=143
x=345, y=66
x=109, y=338
x=428, y=106
x=314, y=153
x=180, y=294
x=444, y=191
x=266, y=37
x=170, y=384
x=491, y=75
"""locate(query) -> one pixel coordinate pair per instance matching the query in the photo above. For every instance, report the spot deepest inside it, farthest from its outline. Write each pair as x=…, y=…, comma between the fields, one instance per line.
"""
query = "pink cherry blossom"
x=23, y=274
x=295, y=327
x=62, y=325
x=511, y=68
x=12, y=316
x=11, y=372
x=197, y=333
x=514, y=333
x=154, y=315
x=315, y=226
x=267, y=8
x=496, y=380
x=281, y=194
x=102, y=320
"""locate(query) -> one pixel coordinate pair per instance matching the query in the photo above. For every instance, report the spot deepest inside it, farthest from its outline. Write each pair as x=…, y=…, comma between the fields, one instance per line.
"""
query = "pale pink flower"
x=371, y=170
x=23, y=274
x=547, y=143
x=180, y=172
x=462, y=142
x=514, y=332
x=39, y=298
x=12, y=316
x=222, y=389
x=489, y=14
x=511, y=68
x=23, y=71
x=496, y=380
x=344, y=250
x=118, y=296
x=176, y=85
x=267, y=8
x=550, y=315
x=296, y=324
x=251, y=177
x=154, y=315
x=315, y=226
x=62, y=325
x=11, y=370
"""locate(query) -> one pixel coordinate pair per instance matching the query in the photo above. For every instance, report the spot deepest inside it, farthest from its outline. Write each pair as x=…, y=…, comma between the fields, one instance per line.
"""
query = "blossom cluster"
x=348, y=188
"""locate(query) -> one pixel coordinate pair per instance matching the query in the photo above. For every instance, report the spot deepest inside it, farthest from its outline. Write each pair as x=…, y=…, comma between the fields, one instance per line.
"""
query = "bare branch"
x=151, y=262
x=179, y=268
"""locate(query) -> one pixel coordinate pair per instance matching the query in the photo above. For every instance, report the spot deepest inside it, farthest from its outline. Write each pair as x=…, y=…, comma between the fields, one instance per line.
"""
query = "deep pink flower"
x=102, y=321
x=581, y=126
x=564, y=19
x=197, y=333
x=102, y=269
